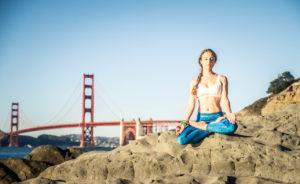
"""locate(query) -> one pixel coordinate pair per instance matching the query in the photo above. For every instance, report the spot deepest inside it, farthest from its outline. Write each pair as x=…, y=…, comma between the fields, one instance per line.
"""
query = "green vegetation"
x=282, y=82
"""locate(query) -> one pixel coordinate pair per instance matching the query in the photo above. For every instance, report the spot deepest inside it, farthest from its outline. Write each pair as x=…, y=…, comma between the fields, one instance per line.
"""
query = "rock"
x=19, y=169
x=264, y=149
x=52, y=154
x=278, y=101
x=40, y=181
x=48, y=153
x=6, y=175
x=275, y=102
x=72, y=153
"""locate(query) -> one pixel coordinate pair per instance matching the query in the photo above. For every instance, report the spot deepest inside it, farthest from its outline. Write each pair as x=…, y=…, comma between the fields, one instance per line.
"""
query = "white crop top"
x=214, y=90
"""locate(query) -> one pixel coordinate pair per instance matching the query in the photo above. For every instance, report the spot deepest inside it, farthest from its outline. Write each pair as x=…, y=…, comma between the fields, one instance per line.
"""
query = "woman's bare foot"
x=201, y=125
x=218, y=120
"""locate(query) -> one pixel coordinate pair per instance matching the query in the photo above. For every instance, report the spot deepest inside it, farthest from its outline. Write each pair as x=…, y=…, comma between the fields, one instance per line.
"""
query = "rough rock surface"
x=20, y=169
x=264, y=149
x=52, y=154
x=275, y=102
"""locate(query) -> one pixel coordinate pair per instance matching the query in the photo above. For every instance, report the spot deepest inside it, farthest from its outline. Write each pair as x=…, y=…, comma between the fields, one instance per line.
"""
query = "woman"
x=210, y=89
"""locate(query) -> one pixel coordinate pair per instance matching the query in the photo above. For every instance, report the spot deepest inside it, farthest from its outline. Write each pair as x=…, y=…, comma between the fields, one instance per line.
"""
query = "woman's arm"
x=224, y=97
x=190, y=108
x=192, y=101
x=225, y=100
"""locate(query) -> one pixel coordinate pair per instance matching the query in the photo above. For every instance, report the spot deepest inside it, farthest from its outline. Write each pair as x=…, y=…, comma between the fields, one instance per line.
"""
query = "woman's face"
x=208, y=60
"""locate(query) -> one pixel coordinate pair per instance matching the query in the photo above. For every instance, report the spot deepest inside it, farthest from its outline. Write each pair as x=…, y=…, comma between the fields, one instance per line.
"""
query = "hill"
x=275, y=102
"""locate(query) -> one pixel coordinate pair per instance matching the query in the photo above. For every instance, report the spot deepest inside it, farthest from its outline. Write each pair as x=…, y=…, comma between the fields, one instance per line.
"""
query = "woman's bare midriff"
x=209, y=104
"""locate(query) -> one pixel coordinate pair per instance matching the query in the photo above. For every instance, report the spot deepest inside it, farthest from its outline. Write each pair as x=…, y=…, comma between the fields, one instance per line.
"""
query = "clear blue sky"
x=143, y=55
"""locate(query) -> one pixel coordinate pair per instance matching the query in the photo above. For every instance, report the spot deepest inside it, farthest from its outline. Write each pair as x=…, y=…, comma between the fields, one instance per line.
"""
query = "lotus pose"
x=210, y=89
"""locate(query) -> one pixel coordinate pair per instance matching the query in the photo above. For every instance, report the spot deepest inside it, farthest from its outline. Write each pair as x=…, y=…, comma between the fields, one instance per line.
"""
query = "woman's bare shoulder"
x=223, y=78
x=194, y=81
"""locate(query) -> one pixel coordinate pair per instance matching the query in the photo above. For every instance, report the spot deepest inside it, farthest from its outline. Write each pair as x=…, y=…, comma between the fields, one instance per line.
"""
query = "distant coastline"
x=64, y=140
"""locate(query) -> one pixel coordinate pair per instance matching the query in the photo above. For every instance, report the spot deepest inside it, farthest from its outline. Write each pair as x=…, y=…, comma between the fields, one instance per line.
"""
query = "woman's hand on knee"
x=218, y=120
x=231, y=118
x=179, y=129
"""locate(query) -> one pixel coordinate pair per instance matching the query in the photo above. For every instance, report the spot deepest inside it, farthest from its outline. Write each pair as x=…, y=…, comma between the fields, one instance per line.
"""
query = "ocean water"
x=21, y=152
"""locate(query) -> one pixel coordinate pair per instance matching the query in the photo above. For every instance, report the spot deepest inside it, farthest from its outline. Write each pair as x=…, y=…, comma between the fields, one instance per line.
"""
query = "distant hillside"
x=273, y=103
x=65, y=140
x=98, y=140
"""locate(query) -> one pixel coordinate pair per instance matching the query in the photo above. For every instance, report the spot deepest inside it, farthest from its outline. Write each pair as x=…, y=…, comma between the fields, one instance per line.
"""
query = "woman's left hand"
x=231, y=117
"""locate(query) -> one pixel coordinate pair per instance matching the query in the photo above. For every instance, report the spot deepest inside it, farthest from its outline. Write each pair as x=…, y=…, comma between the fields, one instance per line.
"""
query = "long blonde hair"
x=194, y=91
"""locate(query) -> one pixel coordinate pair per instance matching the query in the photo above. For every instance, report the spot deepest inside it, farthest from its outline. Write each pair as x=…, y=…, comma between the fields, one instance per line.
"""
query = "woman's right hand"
x=179, y=129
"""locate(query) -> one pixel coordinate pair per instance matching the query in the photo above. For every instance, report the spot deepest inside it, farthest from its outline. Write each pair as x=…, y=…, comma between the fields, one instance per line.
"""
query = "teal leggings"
x=193, y=135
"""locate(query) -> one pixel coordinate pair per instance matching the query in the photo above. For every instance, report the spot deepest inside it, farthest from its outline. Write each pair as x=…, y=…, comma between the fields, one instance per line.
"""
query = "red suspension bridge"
x=129, y=130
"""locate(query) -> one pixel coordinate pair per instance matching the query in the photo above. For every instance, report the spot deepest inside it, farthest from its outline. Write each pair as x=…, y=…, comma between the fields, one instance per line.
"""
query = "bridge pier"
x=14, y=122
x=87, y=133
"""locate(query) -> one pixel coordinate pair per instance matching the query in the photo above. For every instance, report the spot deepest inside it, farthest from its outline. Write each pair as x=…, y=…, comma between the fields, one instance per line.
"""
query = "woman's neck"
x=207, y=73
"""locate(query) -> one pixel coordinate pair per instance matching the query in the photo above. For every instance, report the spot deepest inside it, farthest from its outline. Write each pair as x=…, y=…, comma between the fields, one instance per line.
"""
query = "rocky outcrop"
x=279, y=101
x=52, y=154
x=275, y=102
x=20, y=169
x=264, y=149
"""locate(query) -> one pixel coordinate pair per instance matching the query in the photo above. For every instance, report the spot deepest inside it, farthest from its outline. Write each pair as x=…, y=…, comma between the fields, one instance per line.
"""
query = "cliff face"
x=279, y=101
x=274, y=103
x=264, y=149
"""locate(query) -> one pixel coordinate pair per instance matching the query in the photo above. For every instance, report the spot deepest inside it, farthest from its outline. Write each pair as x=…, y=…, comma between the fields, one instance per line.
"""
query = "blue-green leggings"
x=193, y=135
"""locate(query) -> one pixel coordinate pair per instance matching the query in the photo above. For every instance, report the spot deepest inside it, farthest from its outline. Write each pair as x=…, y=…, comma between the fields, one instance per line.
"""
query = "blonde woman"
x=210, y=89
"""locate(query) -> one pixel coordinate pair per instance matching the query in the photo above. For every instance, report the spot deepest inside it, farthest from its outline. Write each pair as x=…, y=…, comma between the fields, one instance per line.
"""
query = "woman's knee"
x=232, y=127
x=181, y=140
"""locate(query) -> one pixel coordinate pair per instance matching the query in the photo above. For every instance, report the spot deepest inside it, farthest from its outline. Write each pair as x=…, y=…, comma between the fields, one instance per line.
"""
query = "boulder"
x=264, y=149
x=19, y=169
x=52, y=154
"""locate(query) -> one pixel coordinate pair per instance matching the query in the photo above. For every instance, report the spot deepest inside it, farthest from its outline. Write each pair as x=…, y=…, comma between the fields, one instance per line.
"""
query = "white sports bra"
x=214, y=90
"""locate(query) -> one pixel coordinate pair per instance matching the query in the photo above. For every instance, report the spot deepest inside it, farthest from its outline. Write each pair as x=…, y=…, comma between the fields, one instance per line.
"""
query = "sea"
x=21, y=152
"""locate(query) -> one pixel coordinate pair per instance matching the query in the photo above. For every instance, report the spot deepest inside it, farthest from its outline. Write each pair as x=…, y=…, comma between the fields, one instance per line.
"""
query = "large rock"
x=274, y=103
x=264, y=149
x=19, y=169
x=52, y=154
x=6, y=175
x=279, y=101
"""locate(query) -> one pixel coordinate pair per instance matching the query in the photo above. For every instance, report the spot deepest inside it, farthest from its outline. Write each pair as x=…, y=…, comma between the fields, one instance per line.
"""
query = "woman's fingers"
x=220, y=118
x=179, y=129
x=231, y=118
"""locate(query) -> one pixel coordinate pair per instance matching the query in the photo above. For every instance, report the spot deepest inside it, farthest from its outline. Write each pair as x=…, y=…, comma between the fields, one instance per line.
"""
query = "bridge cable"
x=109, y=108
x=69, y=109
x=107, y=94
x=58, y=114
x=6, y=124
x=25, y=119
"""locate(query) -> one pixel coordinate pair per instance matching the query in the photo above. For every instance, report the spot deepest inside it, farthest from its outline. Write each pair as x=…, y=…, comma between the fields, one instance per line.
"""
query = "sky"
x=143, y=55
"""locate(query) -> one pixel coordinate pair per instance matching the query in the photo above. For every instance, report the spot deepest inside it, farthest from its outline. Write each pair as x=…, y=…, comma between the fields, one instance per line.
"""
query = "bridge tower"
x=87, y=134
x=14, y=122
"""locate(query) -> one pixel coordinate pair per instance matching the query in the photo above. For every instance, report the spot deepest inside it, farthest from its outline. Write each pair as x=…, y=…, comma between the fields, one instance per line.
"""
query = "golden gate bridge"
x=129, y=130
